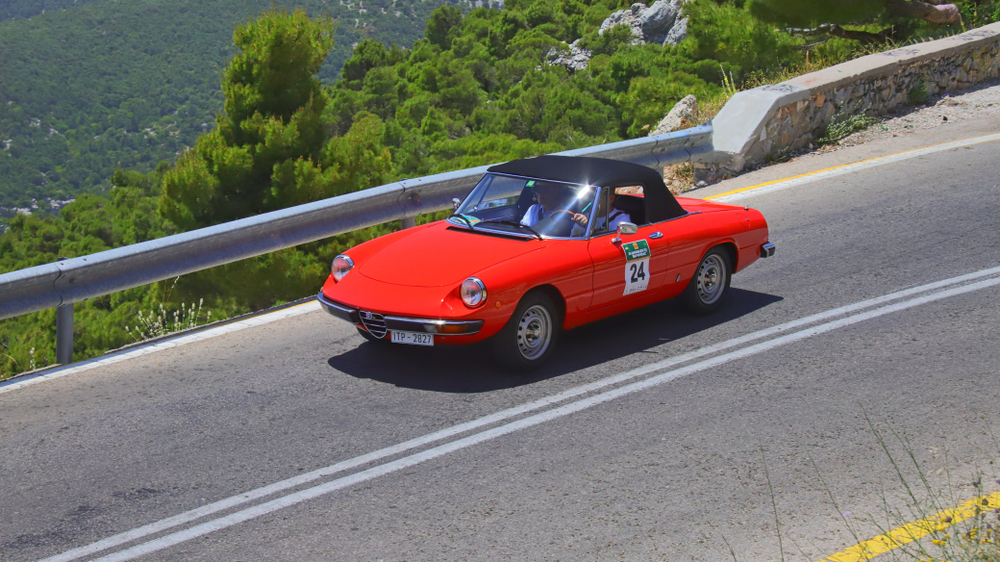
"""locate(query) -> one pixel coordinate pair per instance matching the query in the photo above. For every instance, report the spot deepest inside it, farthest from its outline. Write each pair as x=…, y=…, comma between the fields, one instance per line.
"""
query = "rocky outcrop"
x=658, y=23
x=681, y=116
x=491, y=4
x=678, y=32
x=576, y=58
x=677, y=177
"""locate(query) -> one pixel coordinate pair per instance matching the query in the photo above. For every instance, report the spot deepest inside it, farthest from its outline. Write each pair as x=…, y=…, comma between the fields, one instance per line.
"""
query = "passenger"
x=617, y=216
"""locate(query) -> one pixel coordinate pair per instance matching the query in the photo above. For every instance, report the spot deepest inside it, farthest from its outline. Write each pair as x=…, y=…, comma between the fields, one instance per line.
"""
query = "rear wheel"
x=710, y=284
x=526, y=342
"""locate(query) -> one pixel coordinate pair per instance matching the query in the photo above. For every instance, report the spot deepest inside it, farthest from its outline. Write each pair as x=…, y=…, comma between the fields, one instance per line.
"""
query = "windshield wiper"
x=463, y=217
x=518, y=224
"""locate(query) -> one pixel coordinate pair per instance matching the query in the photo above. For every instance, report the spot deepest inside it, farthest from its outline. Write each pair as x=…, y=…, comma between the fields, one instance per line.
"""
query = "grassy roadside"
x=923, y=520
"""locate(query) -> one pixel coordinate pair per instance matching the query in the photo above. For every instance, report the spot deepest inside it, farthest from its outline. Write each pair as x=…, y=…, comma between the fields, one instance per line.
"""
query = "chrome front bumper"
x=402, y=323
x=767, y=250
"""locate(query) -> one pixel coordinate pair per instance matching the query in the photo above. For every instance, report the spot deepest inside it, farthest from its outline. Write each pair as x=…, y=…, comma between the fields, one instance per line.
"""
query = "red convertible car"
x=542, y=245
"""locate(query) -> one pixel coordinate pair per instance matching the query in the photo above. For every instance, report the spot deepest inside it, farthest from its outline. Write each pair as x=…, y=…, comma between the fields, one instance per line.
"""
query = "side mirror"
x=627, y=228
x=455, y=202
x=624, y=227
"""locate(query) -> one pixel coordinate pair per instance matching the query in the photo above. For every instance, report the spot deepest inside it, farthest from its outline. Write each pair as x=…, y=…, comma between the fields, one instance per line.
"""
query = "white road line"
x=191, y=516
x=851, y=168
x=572, y=407
x=59, y=372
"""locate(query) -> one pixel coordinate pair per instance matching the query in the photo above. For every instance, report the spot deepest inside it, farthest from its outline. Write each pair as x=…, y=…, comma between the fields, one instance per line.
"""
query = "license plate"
x=413, y=338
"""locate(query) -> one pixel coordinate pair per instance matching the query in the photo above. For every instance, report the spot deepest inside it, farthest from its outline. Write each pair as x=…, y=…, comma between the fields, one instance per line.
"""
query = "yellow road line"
x=910, y=532
x=772, y=182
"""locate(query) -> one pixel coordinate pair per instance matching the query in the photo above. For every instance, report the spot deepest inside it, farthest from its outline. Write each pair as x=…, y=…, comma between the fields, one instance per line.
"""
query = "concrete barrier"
x=767, y=121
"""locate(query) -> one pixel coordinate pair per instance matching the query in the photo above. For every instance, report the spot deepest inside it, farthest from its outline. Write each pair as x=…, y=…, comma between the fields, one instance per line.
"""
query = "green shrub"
x=918, y=93
x=731, y=35
x=842, y=127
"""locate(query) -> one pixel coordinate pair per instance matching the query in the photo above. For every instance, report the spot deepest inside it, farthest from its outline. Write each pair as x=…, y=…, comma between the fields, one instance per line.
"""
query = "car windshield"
x=526, y=206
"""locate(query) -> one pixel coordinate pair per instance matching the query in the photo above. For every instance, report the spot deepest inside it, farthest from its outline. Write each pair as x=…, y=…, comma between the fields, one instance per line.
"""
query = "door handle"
x=656, y=236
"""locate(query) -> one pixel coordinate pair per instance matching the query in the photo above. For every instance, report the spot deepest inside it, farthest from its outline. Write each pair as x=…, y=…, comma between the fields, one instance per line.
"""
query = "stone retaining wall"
x=764, y=122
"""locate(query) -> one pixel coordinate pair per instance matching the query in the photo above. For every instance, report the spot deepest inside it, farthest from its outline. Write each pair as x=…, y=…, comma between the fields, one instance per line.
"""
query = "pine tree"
x=274, y=103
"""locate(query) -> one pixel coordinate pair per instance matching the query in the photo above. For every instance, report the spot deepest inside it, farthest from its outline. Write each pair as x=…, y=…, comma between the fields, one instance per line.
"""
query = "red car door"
x=631, y=268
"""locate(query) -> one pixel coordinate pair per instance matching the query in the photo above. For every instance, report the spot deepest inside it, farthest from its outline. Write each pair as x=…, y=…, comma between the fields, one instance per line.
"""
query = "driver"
x=548, y=197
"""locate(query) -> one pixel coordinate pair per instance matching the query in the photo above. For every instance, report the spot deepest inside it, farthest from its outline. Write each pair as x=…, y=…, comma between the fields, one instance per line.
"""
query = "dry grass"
x=161, y=322
x=926, y=524
x=679, y=177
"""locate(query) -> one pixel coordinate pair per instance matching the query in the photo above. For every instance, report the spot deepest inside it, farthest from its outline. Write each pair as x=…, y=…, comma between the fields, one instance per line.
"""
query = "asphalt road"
x=687, y=464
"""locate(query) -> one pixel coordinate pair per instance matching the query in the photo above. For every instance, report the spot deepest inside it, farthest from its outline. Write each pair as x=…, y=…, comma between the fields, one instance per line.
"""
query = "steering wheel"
x=570, y=213
x=556, y=223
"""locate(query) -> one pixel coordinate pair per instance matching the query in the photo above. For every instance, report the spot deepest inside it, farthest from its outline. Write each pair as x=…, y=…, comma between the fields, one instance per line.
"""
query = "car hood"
x=442, y=255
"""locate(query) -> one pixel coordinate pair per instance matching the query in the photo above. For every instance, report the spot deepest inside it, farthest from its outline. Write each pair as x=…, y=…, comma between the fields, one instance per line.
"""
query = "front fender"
x=565, y=265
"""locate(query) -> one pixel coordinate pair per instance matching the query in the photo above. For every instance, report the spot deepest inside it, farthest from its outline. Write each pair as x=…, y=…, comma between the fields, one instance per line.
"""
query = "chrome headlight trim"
x=345, y=267
x=473, y=292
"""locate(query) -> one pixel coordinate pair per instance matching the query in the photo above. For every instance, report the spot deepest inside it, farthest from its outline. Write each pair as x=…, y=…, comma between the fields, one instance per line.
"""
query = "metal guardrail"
x=72, y=280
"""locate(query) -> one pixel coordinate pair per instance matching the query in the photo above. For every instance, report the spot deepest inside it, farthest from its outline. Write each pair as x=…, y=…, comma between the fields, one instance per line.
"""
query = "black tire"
x=364, y=333
x=708, y=288
x=529, y=337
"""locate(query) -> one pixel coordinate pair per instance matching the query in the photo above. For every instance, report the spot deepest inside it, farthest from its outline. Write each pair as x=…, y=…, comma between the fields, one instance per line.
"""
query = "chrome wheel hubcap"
x=534, y=332
x=711, y=279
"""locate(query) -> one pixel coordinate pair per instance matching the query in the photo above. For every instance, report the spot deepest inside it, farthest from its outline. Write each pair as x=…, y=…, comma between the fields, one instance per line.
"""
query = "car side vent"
x=375, y=323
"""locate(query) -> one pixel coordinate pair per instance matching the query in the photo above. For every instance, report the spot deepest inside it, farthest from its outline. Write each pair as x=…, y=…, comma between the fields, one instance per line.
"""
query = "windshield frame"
x=483, y=226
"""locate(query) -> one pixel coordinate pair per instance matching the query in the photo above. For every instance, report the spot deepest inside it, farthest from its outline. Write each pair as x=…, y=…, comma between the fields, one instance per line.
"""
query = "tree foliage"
x=890, y=15
x=272, y=115
x=89, y=87
x=801, y=14
x=270, y=150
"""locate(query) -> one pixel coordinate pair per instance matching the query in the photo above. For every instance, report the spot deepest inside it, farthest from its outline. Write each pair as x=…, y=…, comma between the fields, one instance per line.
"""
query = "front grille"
x=375, y=323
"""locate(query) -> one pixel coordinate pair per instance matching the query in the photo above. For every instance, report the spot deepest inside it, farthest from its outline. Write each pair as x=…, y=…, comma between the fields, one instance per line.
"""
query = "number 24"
x=638, y=271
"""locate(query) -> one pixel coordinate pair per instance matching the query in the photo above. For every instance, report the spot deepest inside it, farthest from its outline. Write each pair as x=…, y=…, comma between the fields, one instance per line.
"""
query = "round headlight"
x=340, y=267
x=473, y=292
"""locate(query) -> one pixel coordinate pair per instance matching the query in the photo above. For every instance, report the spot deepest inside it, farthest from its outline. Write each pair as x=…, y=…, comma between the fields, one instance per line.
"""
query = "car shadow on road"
x=471, y=369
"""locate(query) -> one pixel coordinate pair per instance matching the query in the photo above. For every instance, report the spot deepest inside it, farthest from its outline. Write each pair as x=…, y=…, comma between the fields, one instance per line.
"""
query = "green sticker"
x=636, y=250
x=530, y=183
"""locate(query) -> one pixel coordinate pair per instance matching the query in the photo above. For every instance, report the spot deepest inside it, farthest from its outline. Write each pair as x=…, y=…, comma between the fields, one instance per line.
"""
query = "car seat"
x=634, y=206
x=525, y=200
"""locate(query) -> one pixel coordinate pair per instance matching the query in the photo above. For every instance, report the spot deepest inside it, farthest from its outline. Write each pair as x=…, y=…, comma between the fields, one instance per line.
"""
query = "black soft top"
x=601, y=172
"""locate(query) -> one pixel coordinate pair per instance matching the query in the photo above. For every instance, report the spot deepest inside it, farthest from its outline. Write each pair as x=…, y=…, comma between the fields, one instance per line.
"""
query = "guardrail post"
x=64, y=334
x=409, y=222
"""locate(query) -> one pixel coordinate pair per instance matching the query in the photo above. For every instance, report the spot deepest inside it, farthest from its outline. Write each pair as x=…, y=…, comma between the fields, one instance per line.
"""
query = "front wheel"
x=527, y=340
x=710, y=284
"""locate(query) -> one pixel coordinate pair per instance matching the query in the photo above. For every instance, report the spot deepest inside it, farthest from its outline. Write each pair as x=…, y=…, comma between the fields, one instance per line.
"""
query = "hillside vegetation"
x=475, y=89
x=88, y=88
x=24, y=9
